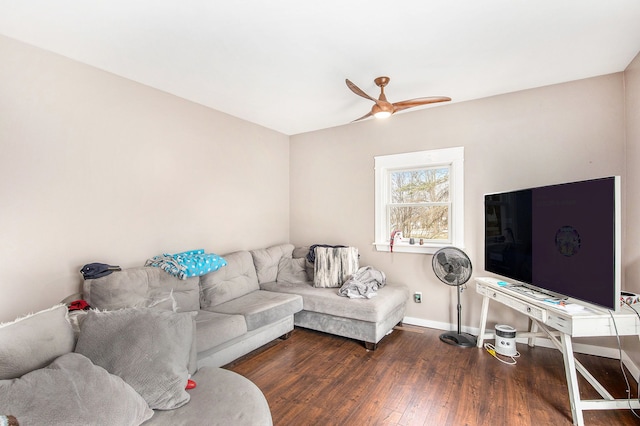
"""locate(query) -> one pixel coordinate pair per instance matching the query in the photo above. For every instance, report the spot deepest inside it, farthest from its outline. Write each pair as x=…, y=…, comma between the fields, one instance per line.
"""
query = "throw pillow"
x=72, y=391
x=292, y=270
x=266, y=261
x=148, y=348
x=34, y=341
x=304, y=252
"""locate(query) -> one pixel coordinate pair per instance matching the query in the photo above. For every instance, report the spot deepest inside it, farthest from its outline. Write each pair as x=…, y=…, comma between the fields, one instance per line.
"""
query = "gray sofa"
x=233, y=315
x=150, y=331
x=126, y=367
x=367, y=320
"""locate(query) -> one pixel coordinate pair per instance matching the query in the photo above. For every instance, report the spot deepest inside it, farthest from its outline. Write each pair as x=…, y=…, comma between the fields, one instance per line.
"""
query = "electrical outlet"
x=417, y=297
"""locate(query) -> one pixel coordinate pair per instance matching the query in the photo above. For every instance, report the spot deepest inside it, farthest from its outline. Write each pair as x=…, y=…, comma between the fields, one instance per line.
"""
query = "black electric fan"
x=453, y=267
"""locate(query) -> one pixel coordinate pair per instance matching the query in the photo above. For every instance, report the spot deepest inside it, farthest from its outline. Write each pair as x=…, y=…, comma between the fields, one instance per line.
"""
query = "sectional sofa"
x=149, y=327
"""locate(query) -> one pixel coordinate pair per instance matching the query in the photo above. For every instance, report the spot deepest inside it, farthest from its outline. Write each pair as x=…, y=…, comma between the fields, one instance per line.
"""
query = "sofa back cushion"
x=234, y=280
x=266, y=261
x=34, y=341
x=140, y=287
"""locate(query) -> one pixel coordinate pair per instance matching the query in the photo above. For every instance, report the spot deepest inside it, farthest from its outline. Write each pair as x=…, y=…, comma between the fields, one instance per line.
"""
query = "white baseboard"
x=581, y=348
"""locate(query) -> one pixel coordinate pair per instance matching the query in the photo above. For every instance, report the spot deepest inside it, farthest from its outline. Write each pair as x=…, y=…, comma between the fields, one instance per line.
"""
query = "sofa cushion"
x=165, y=302
x=232, y=281
x=302, y=253
x=260, y=307
x=213, y=329
x=140, y=286
x=266, y=261
x=222, y=397
x=148, y=348
x=327, y=300
x=292, y=270
x=72, y=391
x=34, y=341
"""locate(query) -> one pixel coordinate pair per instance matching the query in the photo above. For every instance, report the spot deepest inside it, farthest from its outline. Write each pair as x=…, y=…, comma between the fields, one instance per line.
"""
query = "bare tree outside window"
x=420, y=194
x=420, y=204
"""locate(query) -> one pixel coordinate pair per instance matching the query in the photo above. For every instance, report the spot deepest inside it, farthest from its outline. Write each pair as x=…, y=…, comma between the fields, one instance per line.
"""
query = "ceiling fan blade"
x=363, y=117
x=355, y=89
x=399, y=106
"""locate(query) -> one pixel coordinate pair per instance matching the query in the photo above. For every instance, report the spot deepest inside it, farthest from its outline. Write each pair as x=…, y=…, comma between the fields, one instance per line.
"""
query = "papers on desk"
x=565, y=306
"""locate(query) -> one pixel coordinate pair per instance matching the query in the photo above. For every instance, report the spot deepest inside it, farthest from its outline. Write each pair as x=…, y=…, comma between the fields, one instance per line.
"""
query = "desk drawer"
x=530, y=310
x=559, y=323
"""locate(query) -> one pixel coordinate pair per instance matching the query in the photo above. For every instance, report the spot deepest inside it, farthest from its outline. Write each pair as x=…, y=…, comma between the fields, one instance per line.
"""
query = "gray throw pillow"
x=34, y=341
x=292, y=270
x=148, y=348
x=72, y=391
x=266, y=261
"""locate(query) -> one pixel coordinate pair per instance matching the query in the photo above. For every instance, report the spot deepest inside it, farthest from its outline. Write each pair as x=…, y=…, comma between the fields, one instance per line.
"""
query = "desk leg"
x=533, y=328
x=483, y=320
x=572, y=379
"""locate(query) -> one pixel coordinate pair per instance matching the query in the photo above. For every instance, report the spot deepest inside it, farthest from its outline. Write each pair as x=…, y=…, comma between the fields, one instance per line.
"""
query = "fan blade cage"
x=452, y=266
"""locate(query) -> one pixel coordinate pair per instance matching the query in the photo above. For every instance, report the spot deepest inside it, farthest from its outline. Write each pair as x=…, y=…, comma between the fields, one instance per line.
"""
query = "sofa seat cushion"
x=261, y=308
x=213, y=329
x=140, y=287
x=221, y=397
x=327, y=301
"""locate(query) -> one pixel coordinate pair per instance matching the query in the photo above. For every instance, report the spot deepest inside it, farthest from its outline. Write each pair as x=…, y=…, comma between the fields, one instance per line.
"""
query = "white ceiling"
x=282, y=64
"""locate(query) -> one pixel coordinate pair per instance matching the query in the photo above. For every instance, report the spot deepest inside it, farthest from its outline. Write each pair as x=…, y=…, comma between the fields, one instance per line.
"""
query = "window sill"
x=402, y=247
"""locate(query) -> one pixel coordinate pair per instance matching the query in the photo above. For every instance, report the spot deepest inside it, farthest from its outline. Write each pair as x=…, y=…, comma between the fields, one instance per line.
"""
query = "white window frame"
x=386, y=164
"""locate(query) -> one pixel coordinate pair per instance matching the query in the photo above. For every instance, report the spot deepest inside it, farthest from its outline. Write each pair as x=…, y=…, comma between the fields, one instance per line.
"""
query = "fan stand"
x=461, y=339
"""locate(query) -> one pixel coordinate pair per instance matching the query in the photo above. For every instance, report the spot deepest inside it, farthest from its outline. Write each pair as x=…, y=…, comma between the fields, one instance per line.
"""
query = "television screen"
x=561, y=238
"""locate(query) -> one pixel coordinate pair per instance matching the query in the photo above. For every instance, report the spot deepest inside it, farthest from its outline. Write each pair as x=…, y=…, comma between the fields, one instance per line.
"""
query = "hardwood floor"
x=414, y=379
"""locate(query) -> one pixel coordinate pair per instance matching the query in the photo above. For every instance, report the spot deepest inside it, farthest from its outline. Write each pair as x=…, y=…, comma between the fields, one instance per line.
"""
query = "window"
x=420, y=194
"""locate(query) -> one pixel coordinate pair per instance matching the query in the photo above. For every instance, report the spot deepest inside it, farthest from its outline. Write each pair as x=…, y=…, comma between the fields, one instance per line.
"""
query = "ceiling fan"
x=382, y=107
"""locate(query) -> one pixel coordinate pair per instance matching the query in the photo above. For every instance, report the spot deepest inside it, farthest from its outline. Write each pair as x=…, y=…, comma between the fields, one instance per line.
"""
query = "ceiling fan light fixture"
x=380, y=112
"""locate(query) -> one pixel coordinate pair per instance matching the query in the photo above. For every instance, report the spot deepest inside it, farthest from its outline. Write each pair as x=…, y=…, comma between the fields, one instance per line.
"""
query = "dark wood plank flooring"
x=414, y=379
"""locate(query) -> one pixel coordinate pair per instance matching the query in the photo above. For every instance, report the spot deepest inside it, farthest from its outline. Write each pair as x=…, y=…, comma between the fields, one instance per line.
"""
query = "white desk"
x=560, y=325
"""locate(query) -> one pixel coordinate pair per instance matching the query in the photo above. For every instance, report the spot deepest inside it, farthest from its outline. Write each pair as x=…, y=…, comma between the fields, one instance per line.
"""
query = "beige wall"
x=99, y=168
x=632, y=194
x=554, y=134
x=96, y=168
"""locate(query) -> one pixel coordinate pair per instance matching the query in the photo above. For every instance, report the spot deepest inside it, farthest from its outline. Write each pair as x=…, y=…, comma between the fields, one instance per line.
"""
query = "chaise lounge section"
x=284, y=269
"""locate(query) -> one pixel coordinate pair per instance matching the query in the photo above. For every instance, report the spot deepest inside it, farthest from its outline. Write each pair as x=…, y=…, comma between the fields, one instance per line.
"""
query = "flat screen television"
x=562, y=239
